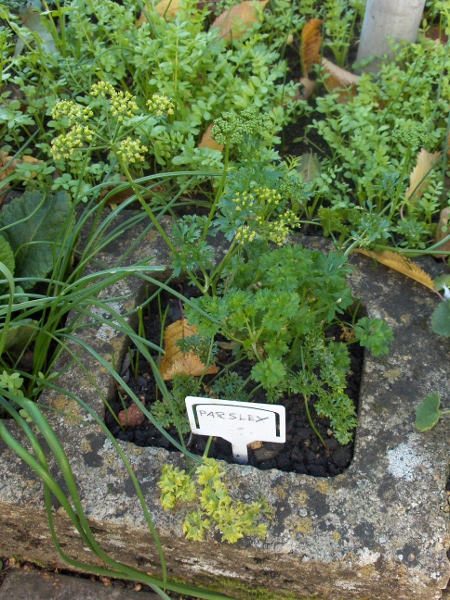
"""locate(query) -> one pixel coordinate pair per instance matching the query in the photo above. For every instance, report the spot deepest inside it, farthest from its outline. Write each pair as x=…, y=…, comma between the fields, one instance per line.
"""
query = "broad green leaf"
x=32, y=225
x=7, y=255
x=31, y=19
x=440, y=321
x=428, y=413
x=20, y=334
x=442, y=280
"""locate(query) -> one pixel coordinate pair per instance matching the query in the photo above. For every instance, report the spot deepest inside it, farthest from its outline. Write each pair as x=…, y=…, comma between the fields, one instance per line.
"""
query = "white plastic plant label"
x=240, y=423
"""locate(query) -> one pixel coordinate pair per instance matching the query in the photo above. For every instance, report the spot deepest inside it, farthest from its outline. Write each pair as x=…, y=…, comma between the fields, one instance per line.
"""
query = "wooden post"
x=384, y=19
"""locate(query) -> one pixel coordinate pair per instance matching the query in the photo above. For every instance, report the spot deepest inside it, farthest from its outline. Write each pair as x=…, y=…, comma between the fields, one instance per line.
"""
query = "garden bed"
x=380, y=530
x=303, y=451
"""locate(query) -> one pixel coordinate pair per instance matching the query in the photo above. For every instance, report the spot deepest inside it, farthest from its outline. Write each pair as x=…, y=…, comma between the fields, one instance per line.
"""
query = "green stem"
x=219, y=192
x=208, y=446
x=255, y=389
x=306, y=399
x=316, y=431
x=144, y=204
x=220, y=267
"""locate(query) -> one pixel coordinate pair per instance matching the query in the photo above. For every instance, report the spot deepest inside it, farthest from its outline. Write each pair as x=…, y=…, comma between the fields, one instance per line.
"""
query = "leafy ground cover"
x=187, y=109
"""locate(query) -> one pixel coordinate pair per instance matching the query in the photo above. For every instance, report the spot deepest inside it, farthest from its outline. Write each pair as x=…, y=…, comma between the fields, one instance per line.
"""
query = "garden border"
x=378, y=531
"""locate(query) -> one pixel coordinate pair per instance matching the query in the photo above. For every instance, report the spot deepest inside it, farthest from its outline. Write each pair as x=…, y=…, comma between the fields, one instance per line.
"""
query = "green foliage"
x=200, y=346
x=11, y=382
x=33, y=226
x=192, y=251
x=7, y=255
x=373, y=142
x=174, y=58
x=174, y=413
x=428, y=413
x=230, y=386
x=19, y=334
x=325, y=365
x=176, y=486
x=441, y=319
x=233, y=518
x=374, y=334
x=277, y=306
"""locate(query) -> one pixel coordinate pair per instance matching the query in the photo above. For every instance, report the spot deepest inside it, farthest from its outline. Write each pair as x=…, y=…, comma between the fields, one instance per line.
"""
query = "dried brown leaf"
x=14, y=163
x=395, y=261
x=311, y=44
x=309, y=87
x=208, y=141
x=142, y=19
x=168, y=7
x=255, y=445
x=419, y=178
x=337, y=78
x=236, y=21
x=175, y=361
x=11, y=165
x=164, y=8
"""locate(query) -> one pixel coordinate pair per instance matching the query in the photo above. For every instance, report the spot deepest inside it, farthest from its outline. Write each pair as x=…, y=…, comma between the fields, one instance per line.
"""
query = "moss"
x=237, y=589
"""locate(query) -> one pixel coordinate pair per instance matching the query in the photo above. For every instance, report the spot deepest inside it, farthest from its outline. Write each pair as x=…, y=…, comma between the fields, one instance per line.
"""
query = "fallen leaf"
x=208, y=141
x=168, y=7
x=8, y=164
x=131, y=417
x=437, y=34
x=237, y=20
x=337, y=78
x=255, y=445
x=311, y=44
x=348, y=333
x=164, y=9
x=309, y=87
x=309, y=166
x=12, y=163
x=443, y=230
x=419, y=180
x=174, y=361
x=142, y=19
x=395, y=261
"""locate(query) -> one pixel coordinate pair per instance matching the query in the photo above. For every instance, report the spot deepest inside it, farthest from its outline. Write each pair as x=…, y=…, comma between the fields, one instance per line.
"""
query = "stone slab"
x=378, y=531
x=35, y=585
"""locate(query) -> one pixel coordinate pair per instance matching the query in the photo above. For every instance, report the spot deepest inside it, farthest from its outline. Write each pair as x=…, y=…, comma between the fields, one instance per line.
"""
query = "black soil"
x=302, y=453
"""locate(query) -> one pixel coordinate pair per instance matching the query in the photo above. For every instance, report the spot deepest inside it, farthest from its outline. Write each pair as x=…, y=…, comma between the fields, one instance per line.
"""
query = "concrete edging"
x=379, y=531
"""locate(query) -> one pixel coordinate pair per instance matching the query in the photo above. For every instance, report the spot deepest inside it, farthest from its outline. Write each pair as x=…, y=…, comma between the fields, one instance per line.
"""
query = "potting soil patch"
x=302, y=452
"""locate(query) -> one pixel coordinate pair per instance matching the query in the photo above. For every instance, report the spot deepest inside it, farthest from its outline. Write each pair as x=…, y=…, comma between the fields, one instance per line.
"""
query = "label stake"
x=240, y=423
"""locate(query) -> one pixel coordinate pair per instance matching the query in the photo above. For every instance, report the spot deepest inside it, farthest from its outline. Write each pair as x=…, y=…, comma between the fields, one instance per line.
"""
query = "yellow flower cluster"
x=123, y=104
x=268, y=197
x=260, y=199
x=73, y=111
x=281, y=228
x=65, y=145
x=245, y=235
x=243, y=200
x=161, y=105
x=132, y=151
x=102, y=89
